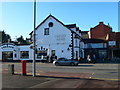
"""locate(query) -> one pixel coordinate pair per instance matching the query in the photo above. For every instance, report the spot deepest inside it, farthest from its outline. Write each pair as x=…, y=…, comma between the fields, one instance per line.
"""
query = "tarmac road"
x=96, y=71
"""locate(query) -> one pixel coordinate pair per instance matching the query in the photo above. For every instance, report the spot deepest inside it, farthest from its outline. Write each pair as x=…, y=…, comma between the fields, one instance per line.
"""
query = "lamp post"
x=34, y=41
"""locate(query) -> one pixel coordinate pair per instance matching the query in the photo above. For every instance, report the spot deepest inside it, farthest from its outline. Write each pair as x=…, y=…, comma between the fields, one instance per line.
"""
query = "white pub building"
x=53, y=39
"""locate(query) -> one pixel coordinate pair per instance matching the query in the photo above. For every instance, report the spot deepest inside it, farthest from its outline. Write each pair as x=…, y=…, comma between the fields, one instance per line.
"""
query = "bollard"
x=24, y=67
x=11, y=69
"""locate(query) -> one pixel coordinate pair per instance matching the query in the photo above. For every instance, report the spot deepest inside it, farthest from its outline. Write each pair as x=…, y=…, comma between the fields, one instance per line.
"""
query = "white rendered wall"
x=59, y=38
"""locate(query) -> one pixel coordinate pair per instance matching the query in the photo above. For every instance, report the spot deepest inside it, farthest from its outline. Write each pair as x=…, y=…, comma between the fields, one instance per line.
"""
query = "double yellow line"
x=106, y=79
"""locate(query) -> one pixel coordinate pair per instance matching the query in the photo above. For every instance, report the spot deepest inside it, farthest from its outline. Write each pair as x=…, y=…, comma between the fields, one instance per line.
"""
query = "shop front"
x=12, y=52
x=7, y=51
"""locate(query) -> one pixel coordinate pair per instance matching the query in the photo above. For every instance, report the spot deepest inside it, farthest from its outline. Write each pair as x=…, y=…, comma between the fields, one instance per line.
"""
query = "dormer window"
x=46, y=31
x=50, y=24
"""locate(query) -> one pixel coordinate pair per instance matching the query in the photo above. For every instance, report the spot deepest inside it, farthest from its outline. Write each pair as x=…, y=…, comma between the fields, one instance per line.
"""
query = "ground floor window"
x=7, y=55
x=41, y=54
x=24, y=54
x=116, y=53
x=102, y=54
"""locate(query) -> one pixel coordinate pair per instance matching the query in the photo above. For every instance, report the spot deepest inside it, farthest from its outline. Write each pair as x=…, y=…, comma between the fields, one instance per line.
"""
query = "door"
x=53, y=54
x=76, y=55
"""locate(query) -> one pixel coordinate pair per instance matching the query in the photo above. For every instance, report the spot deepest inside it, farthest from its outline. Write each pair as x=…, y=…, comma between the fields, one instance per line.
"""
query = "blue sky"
x=17, y=17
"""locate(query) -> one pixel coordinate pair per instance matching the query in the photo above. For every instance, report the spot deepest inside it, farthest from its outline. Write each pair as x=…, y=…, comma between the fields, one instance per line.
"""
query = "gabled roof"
x=71, y=25
x=102, y=23
x=53, y=18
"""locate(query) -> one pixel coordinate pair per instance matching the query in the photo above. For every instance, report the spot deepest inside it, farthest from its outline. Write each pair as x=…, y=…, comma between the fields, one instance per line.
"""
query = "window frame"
x=24, y=54
x=46, y=31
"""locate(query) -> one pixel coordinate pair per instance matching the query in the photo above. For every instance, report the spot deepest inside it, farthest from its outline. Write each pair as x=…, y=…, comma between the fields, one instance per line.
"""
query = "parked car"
x=64, y=61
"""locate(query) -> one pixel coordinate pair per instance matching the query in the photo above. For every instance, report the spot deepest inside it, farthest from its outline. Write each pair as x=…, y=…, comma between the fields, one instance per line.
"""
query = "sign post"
x=34, y=43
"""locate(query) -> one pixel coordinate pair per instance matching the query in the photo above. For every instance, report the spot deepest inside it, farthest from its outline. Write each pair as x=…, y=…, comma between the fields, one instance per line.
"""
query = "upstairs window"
x=46, y=31
x=50, y=24
x=76, y=43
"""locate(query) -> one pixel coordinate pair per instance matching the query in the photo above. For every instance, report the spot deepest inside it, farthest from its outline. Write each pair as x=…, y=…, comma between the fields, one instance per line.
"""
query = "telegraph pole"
x=34, y=41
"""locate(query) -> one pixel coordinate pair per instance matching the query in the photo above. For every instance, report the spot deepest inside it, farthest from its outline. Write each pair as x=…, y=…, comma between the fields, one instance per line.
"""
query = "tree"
x=5, y=37
x=21, y=40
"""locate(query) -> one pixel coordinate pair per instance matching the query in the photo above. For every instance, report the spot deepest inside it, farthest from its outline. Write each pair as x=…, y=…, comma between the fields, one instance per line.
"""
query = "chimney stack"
x=100, y=22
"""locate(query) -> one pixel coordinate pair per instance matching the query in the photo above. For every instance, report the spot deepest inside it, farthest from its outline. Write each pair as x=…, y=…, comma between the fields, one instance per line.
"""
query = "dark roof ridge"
x=55, y=19
x=102, y=24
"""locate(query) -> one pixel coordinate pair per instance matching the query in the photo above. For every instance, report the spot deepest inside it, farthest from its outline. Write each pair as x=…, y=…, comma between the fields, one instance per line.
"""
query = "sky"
x=17, y=17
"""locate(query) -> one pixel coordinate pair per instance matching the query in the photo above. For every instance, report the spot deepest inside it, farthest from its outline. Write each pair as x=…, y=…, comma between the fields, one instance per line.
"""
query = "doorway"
x=76, y=55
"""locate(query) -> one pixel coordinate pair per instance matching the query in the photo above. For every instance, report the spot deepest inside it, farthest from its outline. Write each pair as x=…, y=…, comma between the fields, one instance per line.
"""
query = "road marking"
x=93, y=73
x=105, y=79
x=87, y=77
x=75, y=67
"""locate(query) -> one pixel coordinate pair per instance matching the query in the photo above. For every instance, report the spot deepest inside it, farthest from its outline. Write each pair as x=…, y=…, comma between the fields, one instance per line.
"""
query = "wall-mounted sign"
x=60, y=37
x=112, y=43
x=7, y=46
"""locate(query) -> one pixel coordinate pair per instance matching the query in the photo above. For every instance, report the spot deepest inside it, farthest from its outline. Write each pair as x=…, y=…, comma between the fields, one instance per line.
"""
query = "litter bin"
x=11, y=69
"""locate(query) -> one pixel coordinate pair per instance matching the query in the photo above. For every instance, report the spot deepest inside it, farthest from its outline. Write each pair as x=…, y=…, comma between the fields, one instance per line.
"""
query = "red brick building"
x=100, y=31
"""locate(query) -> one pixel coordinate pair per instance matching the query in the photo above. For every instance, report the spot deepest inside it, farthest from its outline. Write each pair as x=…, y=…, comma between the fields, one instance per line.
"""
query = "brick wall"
x=100, y=31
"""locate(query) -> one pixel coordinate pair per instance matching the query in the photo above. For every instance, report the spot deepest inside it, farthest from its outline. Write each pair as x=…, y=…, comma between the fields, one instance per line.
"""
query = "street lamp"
x=34, y=42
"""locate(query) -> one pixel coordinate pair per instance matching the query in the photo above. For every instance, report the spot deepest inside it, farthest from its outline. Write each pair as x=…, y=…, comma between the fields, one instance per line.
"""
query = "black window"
x=46, y=31
x=53, y=52
x=50, y=24
x=76, y=43
x=24, y=54
x=41, y=53
x=15, y=55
